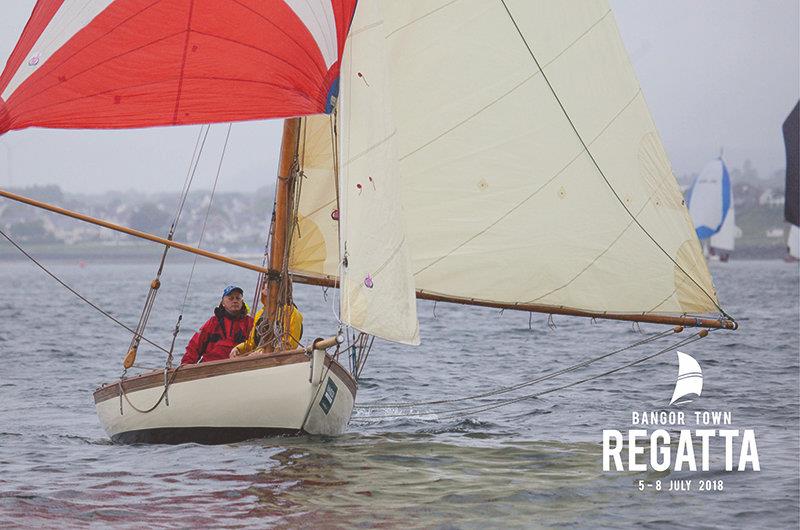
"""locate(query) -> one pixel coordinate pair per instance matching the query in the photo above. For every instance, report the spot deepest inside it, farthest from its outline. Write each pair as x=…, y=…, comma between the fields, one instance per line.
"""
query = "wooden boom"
x=677, y=320
x=131, y=231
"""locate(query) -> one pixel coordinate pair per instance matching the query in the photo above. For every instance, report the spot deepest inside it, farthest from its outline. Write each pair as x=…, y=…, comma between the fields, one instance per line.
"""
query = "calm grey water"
x=535, y=463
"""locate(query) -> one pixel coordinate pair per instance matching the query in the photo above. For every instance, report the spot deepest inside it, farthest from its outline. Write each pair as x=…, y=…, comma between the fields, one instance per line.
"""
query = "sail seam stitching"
x=535, y=192
x=258, y=49
x=282, y=32
x=426, y=15
x=370, y=148
x=52, y=67
x=470, y=117
x=183, y=63
x=503, y=96
x=597, y=166
x=593, y=261
x=662, y=302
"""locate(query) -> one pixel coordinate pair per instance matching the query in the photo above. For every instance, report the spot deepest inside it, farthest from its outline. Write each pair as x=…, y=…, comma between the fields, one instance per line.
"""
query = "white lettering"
x=663, y=465
x=729, y=435
x=633, y=451
x=685, y=452
x=749, y=452
x=614, y=452
x=704, y=435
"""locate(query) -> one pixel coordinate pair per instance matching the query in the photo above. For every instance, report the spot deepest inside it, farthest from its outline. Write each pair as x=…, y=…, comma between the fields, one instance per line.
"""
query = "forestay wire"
x=451, y=413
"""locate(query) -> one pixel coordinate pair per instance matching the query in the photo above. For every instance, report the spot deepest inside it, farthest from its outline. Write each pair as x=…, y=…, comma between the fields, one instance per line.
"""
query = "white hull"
x=228, y=401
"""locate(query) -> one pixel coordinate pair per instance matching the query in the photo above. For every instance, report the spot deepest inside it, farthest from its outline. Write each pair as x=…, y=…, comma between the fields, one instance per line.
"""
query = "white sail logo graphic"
x=690, y=379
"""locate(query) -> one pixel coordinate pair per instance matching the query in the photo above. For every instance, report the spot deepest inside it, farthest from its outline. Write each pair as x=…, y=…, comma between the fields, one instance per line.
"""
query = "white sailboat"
x=445, y=151
x=710, y=202
x=723, y=243
x=793, y=242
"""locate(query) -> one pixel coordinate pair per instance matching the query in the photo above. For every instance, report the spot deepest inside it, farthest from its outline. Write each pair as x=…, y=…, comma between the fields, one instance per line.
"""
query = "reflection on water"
x=536, y=463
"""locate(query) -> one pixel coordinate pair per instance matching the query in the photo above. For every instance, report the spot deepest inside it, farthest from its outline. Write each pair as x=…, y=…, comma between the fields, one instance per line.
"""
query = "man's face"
x=232, y=302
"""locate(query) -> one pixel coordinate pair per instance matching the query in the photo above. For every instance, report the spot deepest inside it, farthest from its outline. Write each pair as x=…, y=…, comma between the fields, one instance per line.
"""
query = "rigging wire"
x=693, y=338
x=155, y=284
x=205, y=219
x=597, y=165
x=76, y=293
x=457, y=412
x=504, y=390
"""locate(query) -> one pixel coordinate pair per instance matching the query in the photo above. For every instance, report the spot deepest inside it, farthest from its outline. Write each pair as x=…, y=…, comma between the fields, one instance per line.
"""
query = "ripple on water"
x=532, y=462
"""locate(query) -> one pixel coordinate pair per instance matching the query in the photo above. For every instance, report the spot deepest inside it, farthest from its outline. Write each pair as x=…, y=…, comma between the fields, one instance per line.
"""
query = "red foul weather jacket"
x=218, y=336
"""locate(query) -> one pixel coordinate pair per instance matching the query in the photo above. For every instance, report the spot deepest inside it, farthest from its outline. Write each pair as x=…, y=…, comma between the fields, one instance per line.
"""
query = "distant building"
x=769, y=198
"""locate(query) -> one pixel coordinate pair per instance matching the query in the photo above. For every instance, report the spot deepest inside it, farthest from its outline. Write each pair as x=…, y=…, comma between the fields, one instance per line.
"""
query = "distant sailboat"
x=791, y=209
x=690, y=379
x=710, y=202
x=723, y=243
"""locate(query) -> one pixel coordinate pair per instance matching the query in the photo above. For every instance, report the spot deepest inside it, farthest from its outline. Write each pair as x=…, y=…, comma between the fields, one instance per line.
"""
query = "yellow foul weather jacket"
x=295, y=328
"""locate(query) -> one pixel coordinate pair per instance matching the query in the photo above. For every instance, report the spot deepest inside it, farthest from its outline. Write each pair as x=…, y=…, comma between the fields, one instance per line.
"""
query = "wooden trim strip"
x=343, y=374
x=192, y=372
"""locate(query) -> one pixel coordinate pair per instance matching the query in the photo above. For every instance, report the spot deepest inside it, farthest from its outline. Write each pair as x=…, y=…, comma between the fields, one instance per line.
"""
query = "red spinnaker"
x=141, y=63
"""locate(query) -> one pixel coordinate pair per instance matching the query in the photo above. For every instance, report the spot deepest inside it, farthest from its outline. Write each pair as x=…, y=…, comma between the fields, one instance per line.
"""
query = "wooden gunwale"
x=210, y=369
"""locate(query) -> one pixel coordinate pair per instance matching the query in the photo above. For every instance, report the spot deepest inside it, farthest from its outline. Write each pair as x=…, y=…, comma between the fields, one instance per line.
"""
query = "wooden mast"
x=284, y=192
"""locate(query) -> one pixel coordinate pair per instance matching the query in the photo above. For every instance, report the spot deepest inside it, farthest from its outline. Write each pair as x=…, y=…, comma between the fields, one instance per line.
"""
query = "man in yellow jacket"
x=294, y=330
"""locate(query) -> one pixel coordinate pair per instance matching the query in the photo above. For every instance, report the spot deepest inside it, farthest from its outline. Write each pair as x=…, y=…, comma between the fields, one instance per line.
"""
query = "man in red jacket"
x=229, y=326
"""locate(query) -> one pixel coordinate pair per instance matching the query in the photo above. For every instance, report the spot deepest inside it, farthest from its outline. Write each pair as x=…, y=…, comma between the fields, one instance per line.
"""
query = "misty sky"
x=715, y=73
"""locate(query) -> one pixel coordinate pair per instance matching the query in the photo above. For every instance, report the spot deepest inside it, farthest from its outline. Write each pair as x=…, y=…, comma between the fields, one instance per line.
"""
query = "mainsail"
x=531, y=171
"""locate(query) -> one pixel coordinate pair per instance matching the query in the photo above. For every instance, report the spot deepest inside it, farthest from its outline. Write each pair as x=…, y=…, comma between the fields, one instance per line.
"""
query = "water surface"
x=534, y=463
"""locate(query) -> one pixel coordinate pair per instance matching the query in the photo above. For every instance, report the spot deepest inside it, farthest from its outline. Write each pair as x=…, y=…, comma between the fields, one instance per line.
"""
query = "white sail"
x=710, y=199
x=314, y=250
x=725, y=239
x=377, y=289
x=794, y=241
x=690, y=378
x=502, y=201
